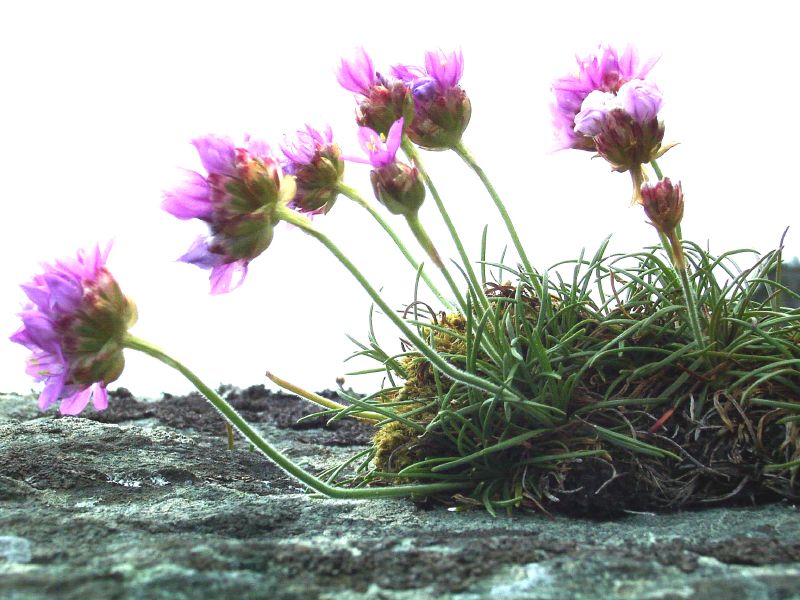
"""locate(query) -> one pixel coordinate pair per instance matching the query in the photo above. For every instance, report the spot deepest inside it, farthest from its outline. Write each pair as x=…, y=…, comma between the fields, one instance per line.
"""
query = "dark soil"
x=256, y=404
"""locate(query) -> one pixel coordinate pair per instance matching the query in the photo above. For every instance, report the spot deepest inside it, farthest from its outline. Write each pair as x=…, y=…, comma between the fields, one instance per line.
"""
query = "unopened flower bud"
x=663, y=204
x=398, y=187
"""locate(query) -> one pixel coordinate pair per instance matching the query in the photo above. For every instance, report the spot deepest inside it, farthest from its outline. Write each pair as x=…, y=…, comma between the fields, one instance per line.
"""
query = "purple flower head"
x=606, y=71
x=238, y=199
x=357, y=76
x=380, y=151
x=316, y=163
x=442, y=109
x=75, y=326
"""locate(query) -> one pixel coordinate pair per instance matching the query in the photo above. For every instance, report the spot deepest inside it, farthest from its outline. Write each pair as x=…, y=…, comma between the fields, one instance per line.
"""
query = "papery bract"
x=238, y=199
x=75, y=326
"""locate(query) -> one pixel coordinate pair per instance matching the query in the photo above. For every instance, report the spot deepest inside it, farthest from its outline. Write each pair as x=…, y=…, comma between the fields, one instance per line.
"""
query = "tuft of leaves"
x=607, y=403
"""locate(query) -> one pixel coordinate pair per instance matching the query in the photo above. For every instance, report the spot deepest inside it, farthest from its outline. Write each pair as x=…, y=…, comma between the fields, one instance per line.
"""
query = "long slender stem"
x=467, y=157
x=273, y=453
x=358, y=199
x=448, y=369
x=321, y=400
x=427, y=244
x=672, y=243
x=477, y=290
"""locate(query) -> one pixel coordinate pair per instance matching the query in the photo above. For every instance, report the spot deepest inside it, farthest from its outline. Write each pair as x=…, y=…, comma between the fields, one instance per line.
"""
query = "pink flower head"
x=358, y=75
x=604, y=71
x=75, y=325
x=316, y=163
x=442, y=109
x=237, y=199
x=381, y=152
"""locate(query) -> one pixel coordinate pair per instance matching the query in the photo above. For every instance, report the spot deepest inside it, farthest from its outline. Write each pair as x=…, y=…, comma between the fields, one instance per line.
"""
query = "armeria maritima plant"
x=656, y=379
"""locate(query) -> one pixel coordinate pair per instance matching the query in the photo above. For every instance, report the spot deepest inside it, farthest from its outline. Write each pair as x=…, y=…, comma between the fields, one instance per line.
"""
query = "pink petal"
x=74, y=404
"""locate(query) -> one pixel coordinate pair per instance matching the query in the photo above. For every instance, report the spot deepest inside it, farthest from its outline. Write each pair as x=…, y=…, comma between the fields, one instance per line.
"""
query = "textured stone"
x=146, y=501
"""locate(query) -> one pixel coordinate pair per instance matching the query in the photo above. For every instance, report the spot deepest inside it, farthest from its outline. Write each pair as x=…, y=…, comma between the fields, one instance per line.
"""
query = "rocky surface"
x=146, y=501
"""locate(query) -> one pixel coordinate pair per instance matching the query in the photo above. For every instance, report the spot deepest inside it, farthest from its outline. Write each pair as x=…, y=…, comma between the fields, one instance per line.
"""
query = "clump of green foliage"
x=610, y=405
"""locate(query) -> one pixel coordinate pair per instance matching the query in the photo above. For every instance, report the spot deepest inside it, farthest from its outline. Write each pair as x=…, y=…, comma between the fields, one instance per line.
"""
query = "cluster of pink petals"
x=443, y=70
x=640, y=99
x=310, y=143
x=358, y=75
x=604, y=71
x=380, y=152
x=57, y=298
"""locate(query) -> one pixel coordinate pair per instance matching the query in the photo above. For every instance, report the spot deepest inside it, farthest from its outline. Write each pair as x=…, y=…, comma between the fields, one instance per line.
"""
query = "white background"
x=98, y=102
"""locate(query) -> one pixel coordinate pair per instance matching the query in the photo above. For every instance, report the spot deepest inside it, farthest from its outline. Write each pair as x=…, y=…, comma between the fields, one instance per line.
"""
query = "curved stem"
x=477, y=290
x=427, y=244
x=358, y=199
x=465, y=155
x=442, y=365
x=273, y=453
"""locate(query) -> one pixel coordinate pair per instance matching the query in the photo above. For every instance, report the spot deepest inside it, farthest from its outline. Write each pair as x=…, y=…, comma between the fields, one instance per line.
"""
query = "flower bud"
x=398, y=187
x=75, y=326
x=663, y=204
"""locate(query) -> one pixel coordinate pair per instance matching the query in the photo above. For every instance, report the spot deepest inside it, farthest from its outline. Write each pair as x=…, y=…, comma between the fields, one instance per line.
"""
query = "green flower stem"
x=673, y=246
x=689, y=293
x=657, y=169
x=358, y=199
x=321, y=400
x=276, y=455
x=427, y=244
x=477, y=290
x=449, y=370
x=465, y=155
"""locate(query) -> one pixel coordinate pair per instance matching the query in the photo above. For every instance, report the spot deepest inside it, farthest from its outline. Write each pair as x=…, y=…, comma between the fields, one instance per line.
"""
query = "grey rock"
x=143, y=509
